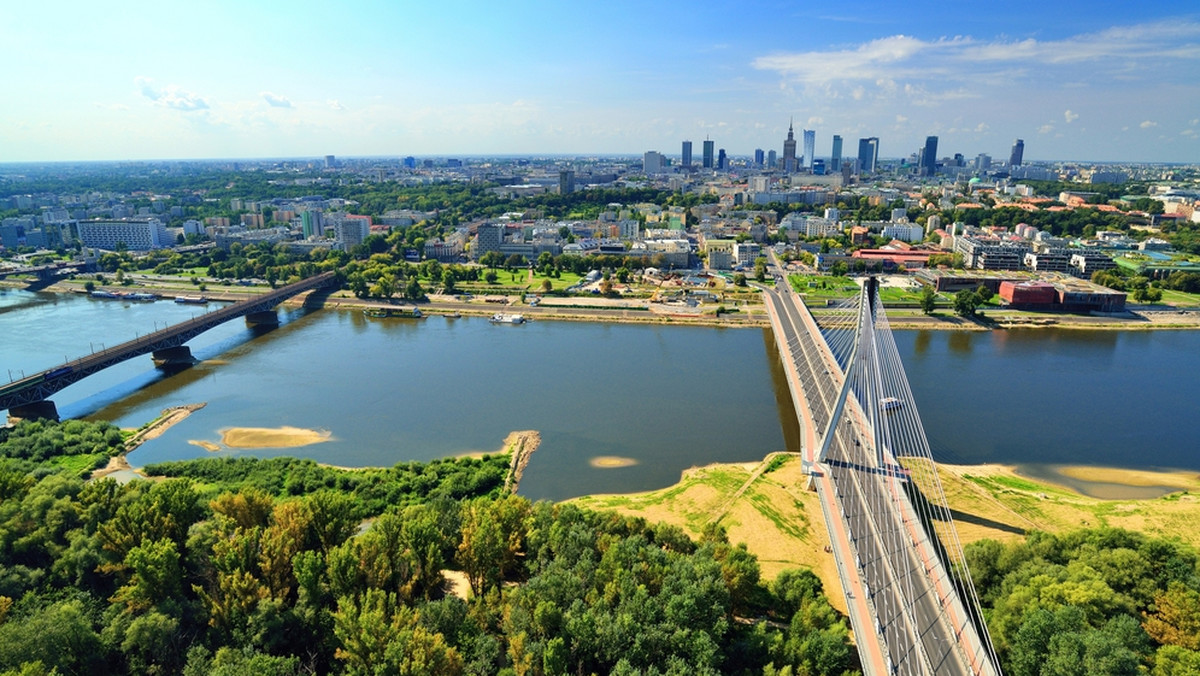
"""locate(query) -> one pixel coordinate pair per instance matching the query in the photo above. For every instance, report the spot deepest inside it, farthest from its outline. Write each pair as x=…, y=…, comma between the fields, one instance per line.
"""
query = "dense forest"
x=281, y=566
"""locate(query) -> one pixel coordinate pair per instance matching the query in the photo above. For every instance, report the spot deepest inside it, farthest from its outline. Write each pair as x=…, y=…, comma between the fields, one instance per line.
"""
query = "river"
x=665, y=397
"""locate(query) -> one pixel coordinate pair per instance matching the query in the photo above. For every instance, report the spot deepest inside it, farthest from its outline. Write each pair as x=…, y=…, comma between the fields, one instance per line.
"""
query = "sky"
x=165, y=79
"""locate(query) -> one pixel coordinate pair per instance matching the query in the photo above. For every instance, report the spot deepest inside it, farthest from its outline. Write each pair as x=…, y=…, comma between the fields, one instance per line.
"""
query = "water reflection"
x=922, y=341
x=959, y=342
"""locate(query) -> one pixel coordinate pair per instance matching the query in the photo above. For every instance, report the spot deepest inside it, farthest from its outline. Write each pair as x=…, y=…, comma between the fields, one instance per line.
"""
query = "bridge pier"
x=38, y=410
x=173, y=356
x=264, y=318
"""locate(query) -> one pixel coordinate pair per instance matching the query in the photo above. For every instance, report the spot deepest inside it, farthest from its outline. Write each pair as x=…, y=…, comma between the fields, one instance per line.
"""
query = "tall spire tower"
x=789, y=151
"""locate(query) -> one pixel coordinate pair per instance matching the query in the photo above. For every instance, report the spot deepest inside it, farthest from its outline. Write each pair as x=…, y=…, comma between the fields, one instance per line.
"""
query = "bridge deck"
x=41, y=386
x=904, y=607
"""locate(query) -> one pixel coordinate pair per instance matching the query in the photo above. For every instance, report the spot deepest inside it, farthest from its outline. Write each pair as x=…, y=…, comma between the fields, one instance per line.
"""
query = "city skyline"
x=148, y=81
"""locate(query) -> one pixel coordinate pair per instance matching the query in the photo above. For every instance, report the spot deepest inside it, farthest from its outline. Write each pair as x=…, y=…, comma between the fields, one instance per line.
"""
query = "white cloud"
x=170, y=96
x=1045, y=129
x=900, y=119
x=275, y=100
x=1190, y=133
x=335, y=105
x=972, y=67
x=981, y=127
x=814, y=121
x=1148, y=124
x=1070, y=117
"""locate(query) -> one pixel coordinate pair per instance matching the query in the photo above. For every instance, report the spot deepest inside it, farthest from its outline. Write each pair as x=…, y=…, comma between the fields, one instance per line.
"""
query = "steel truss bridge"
x=911, y=602
x=166, y=345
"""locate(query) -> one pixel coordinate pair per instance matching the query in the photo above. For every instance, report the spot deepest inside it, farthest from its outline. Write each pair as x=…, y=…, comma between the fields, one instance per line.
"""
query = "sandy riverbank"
x=272, y=437
x=153, y=430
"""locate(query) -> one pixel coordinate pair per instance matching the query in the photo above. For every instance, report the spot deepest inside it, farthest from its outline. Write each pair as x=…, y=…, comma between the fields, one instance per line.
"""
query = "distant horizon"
x=1001, y=161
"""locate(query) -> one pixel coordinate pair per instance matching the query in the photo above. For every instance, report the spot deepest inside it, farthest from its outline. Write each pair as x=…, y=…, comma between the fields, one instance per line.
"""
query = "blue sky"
x=1102, y=81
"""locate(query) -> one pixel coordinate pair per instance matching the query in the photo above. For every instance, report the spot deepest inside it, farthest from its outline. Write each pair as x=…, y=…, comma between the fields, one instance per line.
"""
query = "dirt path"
x=521, y=445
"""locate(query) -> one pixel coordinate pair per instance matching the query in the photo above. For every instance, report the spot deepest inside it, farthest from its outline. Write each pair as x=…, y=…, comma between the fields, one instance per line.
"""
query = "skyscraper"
x=687, y=154
x=653, y=162
x=772, y=159
x=835, y=160
x=566, y=181
x=929, y=156
x=759, y=157
x=789, y=151
x=1018, y=153
x=810, y=147
x=722, y=161
x=708, y=154
x=868, y=155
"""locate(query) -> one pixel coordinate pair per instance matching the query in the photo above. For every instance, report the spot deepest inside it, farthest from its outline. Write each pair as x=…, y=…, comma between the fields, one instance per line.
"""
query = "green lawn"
x=1180, y=298
x=506, y=283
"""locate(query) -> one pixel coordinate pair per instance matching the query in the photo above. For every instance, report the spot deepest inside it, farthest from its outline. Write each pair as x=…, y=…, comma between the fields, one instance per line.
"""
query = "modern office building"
x=350, y=230
x=687, y=154
x=134, y=234
x=789, y=151
x=653, y=162
x=772, y=159
x=722, y=160
x=759, y=157
x=868, y=155
x=929, y=156
x=566, y=181
x=810, y=148
x=835, y=160
x=1018, y=153
x=488, y=237
x=708, y=154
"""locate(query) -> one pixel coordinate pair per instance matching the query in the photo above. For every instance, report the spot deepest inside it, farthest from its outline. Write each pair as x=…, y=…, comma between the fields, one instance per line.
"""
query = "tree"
x=928, y=300
x=760, y=269
x=547, y=286
x=739, y=279
x=985, y=294
x=839, y=269
x=1176, y=617
x=966, y=302
x=490, y=276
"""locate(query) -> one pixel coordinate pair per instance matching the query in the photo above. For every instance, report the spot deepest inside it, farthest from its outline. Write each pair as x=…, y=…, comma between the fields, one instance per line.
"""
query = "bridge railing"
x=144, y=343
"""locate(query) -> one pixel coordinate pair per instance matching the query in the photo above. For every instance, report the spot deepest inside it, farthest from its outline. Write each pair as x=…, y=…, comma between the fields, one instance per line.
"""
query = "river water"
x=665, y=397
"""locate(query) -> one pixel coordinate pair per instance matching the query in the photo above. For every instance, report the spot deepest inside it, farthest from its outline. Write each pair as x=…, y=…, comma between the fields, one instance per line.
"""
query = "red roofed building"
x=1032, y=295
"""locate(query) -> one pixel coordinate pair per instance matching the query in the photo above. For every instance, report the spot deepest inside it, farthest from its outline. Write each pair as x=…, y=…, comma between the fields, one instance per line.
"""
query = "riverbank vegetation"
x=284, y=566
x=281, y=566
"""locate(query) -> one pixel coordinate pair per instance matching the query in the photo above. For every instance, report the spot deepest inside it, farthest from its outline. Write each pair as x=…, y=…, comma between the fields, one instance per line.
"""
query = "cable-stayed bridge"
x=911, y=602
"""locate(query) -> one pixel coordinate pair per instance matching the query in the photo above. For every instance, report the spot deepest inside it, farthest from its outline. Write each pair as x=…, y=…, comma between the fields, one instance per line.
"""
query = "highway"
x=905, y=609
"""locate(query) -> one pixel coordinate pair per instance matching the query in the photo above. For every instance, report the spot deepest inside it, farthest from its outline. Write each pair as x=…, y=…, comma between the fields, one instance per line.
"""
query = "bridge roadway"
x=905, y=611
x=38, y=387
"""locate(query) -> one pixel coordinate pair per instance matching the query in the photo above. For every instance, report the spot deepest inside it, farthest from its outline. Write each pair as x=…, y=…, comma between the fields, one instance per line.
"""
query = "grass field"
x=505, y=282
x=781, y=523
x=1180, y=298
